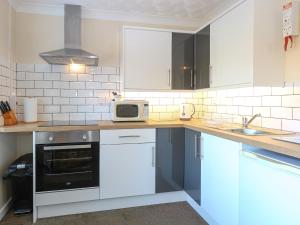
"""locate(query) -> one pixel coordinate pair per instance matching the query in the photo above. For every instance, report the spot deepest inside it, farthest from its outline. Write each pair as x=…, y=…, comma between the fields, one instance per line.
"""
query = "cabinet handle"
x=153, y=156
x=201, y=147
x=130, y=136
x=276, y=163
x=210, y=74
x=195, y=147
x=169, y=78
x=191, y=78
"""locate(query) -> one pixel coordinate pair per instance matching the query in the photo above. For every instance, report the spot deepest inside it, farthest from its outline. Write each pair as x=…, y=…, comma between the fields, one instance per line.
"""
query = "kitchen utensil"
x=8, y=114
x=187, y=110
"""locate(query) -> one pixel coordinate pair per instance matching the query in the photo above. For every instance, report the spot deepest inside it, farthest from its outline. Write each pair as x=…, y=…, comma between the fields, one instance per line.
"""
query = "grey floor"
x=165, y=214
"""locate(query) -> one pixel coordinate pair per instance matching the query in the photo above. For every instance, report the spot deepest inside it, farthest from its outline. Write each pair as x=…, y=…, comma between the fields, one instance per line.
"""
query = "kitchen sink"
x=249, y=132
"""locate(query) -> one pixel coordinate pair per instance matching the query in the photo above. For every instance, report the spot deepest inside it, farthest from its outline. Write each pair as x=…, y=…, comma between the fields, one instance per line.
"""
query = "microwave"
x=130, y=110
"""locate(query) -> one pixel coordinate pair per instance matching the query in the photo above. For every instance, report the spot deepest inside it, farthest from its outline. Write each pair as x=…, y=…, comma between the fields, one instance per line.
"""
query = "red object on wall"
x=286, y=42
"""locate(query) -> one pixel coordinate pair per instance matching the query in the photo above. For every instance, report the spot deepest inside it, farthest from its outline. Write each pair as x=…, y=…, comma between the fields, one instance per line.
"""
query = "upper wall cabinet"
x=202, y=58
x=182, y=61
x=147, y=59
x=246, y=46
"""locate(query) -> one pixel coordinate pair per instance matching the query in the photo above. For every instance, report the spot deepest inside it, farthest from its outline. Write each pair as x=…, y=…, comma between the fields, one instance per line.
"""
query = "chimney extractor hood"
x=72, y=53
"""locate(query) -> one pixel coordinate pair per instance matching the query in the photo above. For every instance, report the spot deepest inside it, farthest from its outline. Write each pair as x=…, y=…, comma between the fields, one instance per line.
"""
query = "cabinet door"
x=182, y=61
x=127, y=170
x=220, y=179
x=192, y=174
x=169, y=159
x=202, y=58
x=232, y=47
x=147, y=59
x=269, y=193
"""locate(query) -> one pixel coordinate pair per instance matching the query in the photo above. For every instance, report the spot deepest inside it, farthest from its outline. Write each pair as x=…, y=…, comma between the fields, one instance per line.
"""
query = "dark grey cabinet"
x=192, y=171
x=202, y=58
x=170, y=144
x=182, y=61
x=191, y=60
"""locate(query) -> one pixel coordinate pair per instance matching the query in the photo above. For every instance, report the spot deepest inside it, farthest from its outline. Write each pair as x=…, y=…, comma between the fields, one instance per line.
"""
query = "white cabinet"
x=220, y=179
x=127, y=168
x=147, y=59
x=246, y=46
x=269, y=192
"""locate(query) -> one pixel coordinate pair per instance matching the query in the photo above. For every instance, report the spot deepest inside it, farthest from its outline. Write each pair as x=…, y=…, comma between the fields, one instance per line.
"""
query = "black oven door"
x=67, y=166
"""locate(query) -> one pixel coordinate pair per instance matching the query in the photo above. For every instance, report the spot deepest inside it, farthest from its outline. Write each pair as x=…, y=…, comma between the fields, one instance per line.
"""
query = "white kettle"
x=187, y=110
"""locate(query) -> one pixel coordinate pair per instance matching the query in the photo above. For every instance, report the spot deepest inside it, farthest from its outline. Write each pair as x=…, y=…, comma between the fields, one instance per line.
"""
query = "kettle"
x=187, y=110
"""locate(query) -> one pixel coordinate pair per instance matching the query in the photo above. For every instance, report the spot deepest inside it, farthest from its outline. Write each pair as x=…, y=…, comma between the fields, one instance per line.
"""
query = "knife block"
x=10, y=118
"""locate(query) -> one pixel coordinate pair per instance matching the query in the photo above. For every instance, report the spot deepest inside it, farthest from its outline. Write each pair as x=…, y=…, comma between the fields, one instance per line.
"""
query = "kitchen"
x=182, y=113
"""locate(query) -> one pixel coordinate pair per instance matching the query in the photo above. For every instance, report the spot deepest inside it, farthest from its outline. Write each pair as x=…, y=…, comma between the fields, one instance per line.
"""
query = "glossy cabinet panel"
x=192, y=173
x=182, y=61
x=169, y=159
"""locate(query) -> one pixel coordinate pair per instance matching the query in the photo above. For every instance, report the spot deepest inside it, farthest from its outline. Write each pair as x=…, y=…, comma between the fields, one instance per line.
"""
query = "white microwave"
x=130, y=110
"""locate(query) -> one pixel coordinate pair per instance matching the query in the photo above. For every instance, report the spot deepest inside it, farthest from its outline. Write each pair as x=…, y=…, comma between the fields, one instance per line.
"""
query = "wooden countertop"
x=219, y=130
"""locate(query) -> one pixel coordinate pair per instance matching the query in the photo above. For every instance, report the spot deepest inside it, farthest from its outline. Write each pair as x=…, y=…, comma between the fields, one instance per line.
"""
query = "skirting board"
x=109, y=204
x=5, y=208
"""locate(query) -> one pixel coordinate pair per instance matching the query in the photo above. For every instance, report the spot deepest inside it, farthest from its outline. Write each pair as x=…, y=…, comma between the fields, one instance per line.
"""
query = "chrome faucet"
x=246, y=123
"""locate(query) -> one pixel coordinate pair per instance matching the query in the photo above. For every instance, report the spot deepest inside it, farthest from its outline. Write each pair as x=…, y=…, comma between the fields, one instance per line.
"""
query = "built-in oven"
x=67, y=160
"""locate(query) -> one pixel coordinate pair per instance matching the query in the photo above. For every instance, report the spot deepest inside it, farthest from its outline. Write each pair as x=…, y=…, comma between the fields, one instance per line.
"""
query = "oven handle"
x=66, y=147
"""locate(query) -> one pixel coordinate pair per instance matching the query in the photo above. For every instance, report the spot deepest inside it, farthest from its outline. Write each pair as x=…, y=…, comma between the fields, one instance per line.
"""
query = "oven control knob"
x=51, y=138
x=84, y=137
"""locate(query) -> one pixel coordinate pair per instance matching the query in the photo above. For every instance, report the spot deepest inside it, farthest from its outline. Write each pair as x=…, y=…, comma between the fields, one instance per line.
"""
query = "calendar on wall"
x=290, y=22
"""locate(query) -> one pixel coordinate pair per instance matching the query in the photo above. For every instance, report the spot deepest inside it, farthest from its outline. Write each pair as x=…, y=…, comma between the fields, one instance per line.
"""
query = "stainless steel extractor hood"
x=72, y=53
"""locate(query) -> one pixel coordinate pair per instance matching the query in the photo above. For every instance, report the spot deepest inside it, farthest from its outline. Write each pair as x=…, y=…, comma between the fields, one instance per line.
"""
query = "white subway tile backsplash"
x=61, y=84
x=51, y=76
x=296, y=113
x=61, y=100
x=282, y=90
x=291, y=125
x=85, y=108
x=282, y=113
x=69, y=108
x=43, y=84
x=271, y=123
x=25, y=67
x=60, y=68
x=34, y=92
x=85, y=77
x=25, y=84
x=34, y=76
x=85, y=93
x=291, y=101
x=77, y=116
x=271, y=101
x=69, y=93
x=65, y=95
x=77, y=85
x=42, y=68
x=51, y=108
x=52, y=92
x=61, y=116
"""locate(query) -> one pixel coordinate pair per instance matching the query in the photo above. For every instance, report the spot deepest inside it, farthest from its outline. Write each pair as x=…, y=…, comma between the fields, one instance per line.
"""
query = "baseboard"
x=109, y=204
x=5, y=208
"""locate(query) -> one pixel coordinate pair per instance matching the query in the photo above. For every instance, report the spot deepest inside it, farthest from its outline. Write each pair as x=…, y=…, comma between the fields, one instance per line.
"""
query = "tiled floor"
x=165, y=214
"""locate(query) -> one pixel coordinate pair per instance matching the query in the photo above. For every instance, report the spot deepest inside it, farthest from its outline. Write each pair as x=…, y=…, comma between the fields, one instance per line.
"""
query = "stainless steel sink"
x=249, y=132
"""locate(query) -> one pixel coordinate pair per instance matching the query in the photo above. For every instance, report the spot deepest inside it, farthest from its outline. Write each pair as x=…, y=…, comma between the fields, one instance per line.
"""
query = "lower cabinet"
x=169, y=159
x=127, y=163
x=192, y=172
x=269, y=191
x=220, y=179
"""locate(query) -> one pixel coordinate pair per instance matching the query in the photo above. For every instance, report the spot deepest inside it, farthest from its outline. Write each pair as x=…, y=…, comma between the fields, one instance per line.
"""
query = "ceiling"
x=181, y=12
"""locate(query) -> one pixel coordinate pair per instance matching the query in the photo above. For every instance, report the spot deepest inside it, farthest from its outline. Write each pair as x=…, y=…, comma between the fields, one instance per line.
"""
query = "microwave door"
x=127, y=111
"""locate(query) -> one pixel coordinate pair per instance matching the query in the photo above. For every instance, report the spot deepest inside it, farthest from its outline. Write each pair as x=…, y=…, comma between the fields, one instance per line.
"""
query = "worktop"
x=209, y=127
